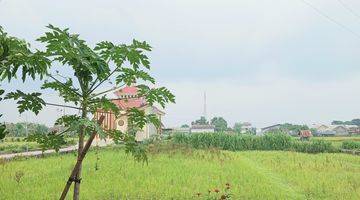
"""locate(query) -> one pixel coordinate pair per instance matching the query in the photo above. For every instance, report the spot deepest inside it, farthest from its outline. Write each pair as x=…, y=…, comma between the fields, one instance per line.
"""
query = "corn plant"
x=243, y=142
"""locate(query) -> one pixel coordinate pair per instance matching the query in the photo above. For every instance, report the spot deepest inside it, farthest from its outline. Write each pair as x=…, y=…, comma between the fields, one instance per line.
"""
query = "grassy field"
x=18, y=144
x=337, y=141
x=181, y=174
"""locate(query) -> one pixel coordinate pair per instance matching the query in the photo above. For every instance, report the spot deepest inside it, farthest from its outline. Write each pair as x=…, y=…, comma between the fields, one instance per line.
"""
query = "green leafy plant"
x=351, y=145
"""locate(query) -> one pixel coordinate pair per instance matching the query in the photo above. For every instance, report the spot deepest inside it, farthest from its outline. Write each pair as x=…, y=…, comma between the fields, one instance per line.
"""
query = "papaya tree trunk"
x=80, y=149
x=81, y=157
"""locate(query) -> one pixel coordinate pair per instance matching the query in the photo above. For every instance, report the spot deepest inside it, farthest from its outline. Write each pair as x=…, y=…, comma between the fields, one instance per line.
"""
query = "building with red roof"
x=127, y=98
x=305, y=134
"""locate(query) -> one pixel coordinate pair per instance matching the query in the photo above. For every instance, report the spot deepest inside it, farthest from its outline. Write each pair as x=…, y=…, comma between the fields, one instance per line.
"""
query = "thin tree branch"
x=97, y=78
x=73, y=90
x=92, y=88
x=61, y=105
x=109, y=90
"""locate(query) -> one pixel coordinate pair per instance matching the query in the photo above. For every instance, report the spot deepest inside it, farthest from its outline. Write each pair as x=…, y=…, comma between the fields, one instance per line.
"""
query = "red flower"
x=216, y=190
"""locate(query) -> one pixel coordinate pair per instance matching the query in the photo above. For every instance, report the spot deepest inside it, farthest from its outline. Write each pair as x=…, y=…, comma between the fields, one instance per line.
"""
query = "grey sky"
x=263, y=61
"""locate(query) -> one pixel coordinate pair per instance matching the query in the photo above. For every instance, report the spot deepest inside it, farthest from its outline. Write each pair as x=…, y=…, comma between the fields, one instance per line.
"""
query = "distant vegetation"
x=293, y=127
x=22, y=129
x=351, y=145
x=237, y=127
x=352, y=122
x=19, y=144
x=219, y=123
x=185, y=126
x=244, y=142
x=201, y=121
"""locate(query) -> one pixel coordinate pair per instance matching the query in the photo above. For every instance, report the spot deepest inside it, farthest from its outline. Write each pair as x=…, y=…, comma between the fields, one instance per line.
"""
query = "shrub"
x=350, y=145
x=315, y=146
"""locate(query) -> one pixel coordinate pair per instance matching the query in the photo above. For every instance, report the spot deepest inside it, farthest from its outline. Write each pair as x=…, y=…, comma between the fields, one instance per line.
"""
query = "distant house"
x=340, y=130
x=353, y=129
x=181, y=130
x=335, y=130
x=320, y=127
x=202, y=128
x=305, y=134
x=327, y=133
x=246, y=127
x=127, y=98
x=271, y=128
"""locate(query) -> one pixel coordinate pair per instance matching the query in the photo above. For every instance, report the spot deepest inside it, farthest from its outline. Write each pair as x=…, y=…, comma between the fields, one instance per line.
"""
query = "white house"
x=197, y=128
x=333, y=130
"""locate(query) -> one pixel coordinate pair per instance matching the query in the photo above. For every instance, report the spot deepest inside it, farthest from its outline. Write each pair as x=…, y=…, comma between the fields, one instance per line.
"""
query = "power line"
x=349, y=9
x=331, y=19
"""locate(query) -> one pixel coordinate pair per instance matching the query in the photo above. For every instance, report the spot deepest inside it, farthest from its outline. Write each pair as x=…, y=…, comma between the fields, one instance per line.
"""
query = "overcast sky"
x=262, y=61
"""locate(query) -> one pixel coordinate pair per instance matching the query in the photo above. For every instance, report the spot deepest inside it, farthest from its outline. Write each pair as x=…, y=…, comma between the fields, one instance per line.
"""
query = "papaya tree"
x=90, y=69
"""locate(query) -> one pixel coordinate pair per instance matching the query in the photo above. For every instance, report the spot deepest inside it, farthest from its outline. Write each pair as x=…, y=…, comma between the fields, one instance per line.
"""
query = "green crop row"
x=241, y=142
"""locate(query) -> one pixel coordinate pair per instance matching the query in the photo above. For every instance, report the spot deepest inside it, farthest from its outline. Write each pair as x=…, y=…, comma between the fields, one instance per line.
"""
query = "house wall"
x=149, y=129
x=341, y=130
x=202, y=130
x=110, y=122
x=124, y=126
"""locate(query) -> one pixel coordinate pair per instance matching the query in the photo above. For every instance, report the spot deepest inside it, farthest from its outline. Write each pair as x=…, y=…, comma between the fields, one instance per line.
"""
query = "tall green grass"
x=176, y=172
x=241, y=142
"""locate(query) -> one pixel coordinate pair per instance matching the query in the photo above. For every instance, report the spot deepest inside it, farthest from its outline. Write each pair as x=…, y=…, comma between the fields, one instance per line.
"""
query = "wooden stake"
x=79, y=161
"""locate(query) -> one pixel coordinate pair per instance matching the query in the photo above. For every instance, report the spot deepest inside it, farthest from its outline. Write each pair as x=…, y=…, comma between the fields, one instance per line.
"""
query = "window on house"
x=121, y=122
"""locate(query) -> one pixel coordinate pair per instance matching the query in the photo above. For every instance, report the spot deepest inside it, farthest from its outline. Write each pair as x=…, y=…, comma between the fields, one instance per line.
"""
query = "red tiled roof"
x=128, y=90
x=128, y=102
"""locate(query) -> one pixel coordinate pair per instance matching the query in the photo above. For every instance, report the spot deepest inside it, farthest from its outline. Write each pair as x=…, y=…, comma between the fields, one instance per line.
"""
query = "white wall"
x=202, y=130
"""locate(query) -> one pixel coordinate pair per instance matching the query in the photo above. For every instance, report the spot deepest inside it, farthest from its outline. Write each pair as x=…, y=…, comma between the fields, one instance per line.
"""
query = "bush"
x=315, y=146
x=241, y=142
x=351, y=145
